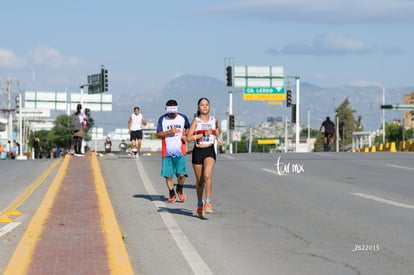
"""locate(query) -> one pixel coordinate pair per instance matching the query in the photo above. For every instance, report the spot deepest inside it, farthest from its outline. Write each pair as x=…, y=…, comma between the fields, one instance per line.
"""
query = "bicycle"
x=329, y=141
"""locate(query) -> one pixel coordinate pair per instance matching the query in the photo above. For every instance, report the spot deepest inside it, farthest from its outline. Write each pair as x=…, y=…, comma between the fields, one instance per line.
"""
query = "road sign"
x=94, y=84
x=94, y=79
x=258, y=76
x=60, y=101
x=236, y=136
x=45, y=100
x=263, y=93
x=267, y=141
x=27, y=112
x=275, y=102
x=95, y=102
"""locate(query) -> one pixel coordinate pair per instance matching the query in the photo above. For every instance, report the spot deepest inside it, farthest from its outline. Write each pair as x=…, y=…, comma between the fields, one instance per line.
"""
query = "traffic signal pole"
x=230, y=144
x=297, y=124
x=229, y=63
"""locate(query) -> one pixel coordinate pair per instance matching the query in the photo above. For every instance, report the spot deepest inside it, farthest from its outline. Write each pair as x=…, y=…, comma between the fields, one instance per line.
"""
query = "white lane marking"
x=271, y=171
x=194, y=259
x=378, y=199
x=400, y=167
x=8, y=228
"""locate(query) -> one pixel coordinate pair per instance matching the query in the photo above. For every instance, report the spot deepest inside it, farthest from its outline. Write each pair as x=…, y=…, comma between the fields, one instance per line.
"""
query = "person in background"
x=172, y=129
x=79, y=135
x=135, y=122
x=3, y=154
x=9, y=150
x=204, y=130
x=123, y=146
x=36, y=147
x=108, y=145
x=134, y=149
x=16, y=148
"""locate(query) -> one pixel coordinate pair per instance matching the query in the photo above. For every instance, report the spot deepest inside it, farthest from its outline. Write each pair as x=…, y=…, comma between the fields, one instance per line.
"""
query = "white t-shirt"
x=173, y=145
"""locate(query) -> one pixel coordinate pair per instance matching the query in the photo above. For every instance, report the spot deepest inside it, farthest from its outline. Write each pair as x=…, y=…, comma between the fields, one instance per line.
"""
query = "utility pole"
x=9, y=109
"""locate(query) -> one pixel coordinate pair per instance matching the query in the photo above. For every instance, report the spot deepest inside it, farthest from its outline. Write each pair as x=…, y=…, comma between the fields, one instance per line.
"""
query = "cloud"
x=334, y=43
x=8, y=60
x=52, y=58
x=332, y=11
x=42, y=56
x=326, y=44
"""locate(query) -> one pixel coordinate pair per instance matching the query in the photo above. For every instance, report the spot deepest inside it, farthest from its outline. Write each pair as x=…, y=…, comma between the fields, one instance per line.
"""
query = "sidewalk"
x=74, y=230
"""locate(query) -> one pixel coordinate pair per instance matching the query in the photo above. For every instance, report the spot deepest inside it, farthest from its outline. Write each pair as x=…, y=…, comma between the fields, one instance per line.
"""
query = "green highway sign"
x=263, y=93
x=263, y=90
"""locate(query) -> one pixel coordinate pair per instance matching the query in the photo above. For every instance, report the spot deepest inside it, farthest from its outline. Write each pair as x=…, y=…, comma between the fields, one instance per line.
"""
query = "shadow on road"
x=177, y=211
x=150, y=197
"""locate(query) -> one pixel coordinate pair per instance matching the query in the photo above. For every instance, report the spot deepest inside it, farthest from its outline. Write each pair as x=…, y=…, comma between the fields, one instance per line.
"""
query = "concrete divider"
x=392, y=147
x=411, y=146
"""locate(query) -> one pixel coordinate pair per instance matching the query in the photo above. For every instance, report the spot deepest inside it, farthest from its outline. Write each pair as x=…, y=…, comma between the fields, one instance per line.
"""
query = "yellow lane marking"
x=22, y=256
x=118, y=258
x=11, y=209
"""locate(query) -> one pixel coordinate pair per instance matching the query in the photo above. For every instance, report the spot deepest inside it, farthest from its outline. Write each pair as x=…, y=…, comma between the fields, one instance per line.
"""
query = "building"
x=407, y=115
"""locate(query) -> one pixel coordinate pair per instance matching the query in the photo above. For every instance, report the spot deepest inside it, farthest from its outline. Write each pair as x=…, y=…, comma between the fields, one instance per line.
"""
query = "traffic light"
x=231, y=122
x=229, y=76
x=288, y=98
x=17, y=99
x=104, y=80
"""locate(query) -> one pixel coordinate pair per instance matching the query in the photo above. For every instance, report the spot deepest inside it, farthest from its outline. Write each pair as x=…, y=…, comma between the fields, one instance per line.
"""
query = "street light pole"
x=383, y=116
x=230, y=144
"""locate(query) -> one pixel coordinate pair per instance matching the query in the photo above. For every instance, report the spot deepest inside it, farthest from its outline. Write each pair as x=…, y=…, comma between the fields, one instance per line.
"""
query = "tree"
x=313, y=133
x=393, y=132
x=346, y=122
x=61, y=133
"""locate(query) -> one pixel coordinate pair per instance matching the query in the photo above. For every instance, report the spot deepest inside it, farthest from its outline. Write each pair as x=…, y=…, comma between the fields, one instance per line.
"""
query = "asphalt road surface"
x=310, y=213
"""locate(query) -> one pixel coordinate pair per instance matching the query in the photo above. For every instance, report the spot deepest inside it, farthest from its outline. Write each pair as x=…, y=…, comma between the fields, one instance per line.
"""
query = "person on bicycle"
x=329, y=129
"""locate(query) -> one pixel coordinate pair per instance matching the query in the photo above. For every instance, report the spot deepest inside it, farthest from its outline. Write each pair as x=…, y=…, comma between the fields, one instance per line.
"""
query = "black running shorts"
x=136, y=135
x=199, y=154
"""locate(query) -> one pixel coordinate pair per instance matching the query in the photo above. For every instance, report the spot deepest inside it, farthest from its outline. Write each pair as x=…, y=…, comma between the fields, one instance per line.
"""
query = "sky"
x=54, y=45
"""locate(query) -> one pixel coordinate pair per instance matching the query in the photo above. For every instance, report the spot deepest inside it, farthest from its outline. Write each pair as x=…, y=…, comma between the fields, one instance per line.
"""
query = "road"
x=310, y=213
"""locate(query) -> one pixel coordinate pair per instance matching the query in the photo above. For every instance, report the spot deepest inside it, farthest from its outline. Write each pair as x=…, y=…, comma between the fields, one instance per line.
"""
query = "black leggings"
x=77, y=145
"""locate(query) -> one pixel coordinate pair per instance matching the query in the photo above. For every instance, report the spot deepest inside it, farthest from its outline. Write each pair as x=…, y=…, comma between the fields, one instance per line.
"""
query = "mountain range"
x=316, y=103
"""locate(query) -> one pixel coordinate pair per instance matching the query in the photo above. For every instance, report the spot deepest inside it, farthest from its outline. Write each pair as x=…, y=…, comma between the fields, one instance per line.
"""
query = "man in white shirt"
x=135, y=123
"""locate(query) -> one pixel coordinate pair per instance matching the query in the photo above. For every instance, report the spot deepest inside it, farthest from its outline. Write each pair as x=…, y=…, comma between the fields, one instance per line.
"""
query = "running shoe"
x=172, y=199
x=181, y=196
x=208, y=207
x=200, y=211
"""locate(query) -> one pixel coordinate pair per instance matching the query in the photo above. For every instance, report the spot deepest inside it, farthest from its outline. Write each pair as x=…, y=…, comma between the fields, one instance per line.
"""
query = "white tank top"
x=136, y=123
x=204, y=126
